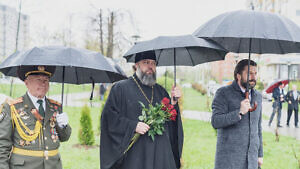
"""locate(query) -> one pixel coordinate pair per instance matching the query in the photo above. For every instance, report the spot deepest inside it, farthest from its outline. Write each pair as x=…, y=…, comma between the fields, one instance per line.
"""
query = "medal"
x=27, y=143
x=25, y=117
x=52, y=124
x=22, y=143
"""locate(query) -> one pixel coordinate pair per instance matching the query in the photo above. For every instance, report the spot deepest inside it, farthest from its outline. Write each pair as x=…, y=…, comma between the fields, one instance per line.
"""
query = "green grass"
x=55, y=88
x=80, y=158
x=193, y=100
x=198, y=151
x=200, y=146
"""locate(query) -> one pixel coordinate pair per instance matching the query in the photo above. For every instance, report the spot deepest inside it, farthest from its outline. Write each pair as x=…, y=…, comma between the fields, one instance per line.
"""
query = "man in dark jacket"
x=278, y=96
x=292, y=98
x=239, y=140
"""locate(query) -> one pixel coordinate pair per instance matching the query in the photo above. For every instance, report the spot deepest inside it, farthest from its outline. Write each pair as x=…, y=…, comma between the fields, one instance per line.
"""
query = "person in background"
x=278, y=96
x=292, y=97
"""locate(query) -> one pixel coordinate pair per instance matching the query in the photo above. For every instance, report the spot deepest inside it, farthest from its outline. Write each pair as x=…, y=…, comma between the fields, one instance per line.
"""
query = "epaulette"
x=54, y=102
x=14, y=101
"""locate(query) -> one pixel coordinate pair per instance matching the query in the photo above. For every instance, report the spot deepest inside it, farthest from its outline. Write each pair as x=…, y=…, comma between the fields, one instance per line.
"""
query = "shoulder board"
x=54, y=102
x=14, y=101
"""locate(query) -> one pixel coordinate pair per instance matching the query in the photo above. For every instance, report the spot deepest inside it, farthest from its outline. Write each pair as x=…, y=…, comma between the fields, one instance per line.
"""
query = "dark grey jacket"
x=239, y=141
x=294, y=103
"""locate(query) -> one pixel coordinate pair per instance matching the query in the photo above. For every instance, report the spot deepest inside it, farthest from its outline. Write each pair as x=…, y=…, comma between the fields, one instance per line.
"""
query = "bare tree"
x=110, y=38
x=107, y=33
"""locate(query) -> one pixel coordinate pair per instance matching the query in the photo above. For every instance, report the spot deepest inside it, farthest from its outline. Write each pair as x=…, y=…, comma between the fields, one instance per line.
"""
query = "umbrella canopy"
x=258, y=32
x=185, y=50
x=73, y=65
x=80, y=66
x=178, y=50
x=247, y=31
x=116, y=66
x=276, y=84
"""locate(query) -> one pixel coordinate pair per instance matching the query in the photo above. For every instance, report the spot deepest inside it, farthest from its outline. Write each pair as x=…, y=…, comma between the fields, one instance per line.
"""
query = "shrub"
x=199, y=88
x=86, y=134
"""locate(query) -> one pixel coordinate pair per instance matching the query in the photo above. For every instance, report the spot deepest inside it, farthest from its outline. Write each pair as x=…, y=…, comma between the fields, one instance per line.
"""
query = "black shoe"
x=279, y=125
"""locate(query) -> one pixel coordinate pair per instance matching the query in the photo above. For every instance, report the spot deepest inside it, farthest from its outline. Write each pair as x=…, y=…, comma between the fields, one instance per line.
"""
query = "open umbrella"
x=184, y=50
x=116, y=66
x=247, y=31
x=73, y=65
x=276, y=84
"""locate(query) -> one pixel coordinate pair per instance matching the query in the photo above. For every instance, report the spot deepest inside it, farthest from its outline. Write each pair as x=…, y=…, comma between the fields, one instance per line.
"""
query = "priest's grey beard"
x=148, y=80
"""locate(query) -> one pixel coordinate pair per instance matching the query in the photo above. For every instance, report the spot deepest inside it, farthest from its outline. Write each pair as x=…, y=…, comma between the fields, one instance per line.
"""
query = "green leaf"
x=141, y=118
x=159, y=132
x=142, y=104
x=152, y=136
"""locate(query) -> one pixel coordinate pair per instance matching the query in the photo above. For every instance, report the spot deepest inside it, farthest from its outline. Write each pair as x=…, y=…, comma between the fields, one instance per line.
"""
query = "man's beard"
x=146, y=79
x=244, y=83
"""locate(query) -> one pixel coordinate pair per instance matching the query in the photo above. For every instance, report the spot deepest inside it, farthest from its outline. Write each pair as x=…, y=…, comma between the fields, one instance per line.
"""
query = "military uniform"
x=30, y=150
x=27, y=139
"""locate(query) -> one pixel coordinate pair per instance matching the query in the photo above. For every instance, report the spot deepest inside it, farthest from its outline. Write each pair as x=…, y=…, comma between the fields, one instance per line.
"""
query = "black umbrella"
x=178, y=50
x=73, y=65
x=247, y=31
x=116, y=66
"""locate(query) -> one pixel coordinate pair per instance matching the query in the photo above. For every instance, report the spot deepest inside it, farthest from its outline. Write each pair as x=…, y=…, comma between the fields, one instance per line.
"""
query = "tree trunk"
x=110, y=38
x=101, y=32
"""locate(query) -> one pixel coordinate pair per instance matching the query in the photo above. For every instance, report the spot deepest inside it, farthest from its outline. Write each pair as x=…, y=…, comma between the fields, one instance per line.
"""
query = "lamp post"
x=135, y=38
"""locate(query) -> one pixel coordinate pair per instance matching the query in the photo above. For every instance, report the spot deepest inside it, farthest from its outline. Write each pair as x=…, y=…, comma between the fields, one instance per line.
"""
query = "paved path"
x=76, y=99
x=267, y=109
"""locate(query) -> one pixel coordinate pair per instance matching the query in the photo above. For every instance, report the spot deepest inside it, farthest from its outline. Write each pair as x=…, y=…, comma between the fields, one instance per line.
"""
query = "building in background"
x=8, y=31
x=275, y=67
x=222, y=71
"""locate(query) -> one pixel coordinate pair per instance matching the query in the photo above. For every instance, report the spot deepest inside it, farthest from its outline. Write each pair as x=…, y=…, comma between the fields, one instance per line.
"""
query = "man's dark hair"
x=280, y=83
x=241, y=65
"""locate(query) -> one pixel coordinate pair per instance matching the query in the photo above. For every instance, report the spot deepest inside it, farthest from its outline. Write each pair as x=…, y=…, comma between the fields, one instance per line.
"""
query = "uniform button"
x=25, y=124
x=44, y=128
x=46, y=147
x=45, y=138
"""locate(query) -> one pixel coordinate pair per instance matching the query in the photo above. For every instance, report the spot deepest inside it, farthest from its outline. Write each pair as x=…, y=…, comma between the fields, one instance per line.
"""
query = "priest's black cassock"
x=118, y=123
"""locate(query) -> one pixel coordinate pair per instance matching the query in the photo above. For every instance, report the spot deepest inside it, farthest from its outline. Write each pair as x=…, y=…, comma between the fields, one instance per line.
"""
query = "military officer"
x=32, y=126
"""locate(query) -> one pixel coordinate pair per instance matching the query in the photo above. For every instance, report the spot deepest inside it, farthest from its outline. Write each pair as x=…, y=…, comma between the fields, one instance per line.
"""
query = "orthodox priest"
x=119, y=123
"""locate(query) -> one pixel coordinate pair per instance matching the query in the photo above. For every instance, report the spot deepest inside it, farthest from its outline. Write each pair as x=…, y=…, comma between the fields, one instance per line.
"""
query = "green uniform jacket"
x=50, y=139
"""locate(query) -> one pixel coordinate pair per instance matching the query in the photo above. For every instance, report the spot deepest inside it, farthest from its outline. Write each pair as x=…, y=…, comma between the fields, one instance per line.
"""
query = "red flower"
x=173, y=114
x=170, y=107
x=165, y=101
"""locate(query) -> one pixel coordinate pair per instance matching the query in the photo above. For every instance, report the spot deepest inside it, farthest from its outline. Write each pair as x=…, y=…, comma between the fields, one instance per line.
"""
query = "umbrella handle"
x=255, y=104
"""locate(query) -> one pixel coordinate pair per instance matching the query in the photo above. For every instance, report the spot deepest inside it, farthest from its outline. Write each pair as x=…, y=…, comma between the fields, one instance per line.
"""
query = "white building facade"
x=8, y=31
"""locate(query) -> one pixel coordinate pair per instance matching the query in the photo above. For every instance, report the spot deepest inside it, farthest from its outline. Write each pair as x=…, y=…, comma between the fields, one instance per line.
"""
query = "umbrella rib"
x=190, y=57
x=240, y=39
x=159, y=55
x=76, y=72
x=281, y=49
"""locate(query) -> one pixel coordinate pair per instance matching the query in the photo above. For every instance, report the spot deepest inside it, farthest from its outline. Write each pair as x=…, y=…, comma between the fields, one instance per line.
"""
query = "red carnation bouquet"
x=155, y=117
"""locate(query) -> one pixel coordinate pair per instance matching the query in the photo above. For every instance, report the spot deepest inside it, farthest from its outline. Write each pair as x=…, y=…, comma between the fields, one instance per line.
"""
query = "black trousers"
x=290, y=112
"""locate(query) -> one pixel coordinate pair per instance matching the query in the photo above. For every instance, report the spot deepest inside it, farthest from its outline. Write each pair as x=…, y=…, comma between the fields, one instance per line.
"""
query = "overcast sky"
x=153, y=18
